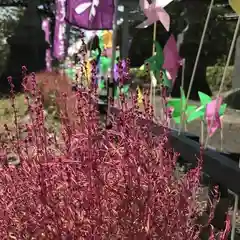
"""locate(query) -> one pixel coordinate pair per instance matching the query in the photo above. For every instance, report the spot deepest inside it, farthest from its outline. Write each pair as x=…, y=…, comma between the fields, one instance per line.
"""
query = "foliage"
x=8, y=22
x=220, y=31
x=88, y=182
x=213, y=73
x=214, y=77
x=137, y=73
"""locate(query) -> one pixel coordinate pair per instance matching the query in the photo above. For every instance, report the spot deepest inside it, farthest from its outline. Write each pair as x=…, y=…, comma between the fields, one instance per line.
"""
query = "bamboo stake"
x=110, y=81
x=199, y=52
x=152, y=88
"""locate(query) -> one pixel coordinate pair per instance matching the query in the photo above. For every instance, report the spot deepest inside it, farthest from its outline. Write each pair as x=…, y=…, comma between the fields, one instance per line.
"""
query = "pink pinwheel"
x=155, y=12
x=212, y=114
x=172, y=60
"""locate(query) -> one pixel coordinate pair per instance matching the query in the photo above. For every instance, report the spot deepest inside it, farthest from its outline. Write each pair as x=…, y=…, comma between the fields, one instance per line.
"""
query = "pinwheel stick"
x=235, y=212
x=152, y=89
x=199, y=49
x=183, y=73
x=110, y=81
x=218, y=95
x=225, y=73
x=202, y=133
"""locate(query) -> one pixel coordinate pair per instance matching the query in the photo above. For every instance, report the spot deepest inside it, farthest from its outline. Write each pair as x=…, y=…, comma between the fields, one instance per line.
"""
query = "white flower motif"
x=84, y=6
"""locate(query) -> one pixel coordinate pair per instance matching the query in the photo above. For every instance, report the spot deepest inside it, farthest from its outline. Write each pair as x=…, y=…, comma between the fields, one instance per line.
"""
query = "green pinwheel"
x=205, y=99
x=181, y=111
x=71, y=73
x=156, y=62
x=124, y=90
x=101, y=84
x=105, y=64
x=165, y=81
x=94, y=53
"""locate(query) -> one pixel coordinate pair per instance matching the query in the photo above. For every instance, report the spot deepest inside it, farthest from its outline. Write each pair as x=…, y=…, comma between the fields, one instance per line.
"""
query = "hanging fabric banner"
x=90, y=14
x=59, y=41
x=46, y=29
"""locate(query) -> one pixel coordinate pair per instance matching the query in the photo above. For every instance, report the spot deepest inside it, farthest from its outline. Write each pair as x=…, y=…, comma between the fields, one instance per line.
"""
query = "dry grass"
x=7, y=114
x=6, y=110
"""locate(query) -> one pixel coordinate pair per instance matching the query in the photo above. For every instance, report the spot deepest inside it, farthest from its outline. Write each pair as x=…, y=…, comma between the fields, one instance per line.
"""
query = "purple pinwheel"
x=90, y=14
x=120, y=71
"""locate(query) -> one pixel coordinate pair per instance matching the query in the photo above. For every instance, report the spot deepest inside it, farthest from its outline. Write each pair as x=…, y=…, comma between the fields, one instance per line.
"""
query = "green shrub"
x=137, y=73
x=214, y=76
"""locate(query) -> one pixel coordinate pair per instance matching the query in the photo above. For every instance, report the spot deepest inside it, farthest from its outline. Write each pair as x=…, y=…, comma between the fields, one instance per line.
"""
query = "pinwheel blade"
x=171, y=58
x=177, y=119
x=204, y=98
x=222, y=109
x=195, y=114
x=116, y=92
x=153, y=79
x=166, y=81
x=183, y=99
x=125, y=89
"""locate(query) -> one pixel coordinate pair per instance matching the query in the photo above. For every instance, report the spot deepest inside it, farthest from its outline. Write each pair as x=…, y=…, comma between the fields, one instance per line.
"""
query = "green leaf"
x=204, y=98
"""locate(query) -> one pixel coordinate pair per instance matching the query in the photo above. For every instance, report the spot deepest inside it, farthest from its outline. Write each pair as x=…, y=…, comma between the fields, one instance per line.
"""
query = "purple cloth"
x=46, y=27
x=59, y=42
x=90, y=14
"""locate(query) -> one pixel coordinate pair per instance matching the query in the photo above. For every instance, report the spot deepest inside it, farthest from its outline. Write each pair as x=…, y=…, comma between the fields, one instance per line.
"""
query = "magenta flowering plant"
x=91, y=183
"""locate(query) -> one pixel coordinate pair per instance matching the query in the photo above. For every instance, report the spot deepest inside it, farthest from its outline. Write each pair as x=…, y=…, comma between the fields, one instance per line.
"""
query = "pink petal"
x=154, y=13
x=172, y=60
x=212, y=112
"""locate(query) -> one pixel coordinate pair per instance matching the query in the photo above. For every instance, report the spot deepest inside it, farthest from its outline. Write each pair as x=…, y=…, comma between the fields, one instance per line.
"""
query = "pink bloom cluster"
x=91, y=183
